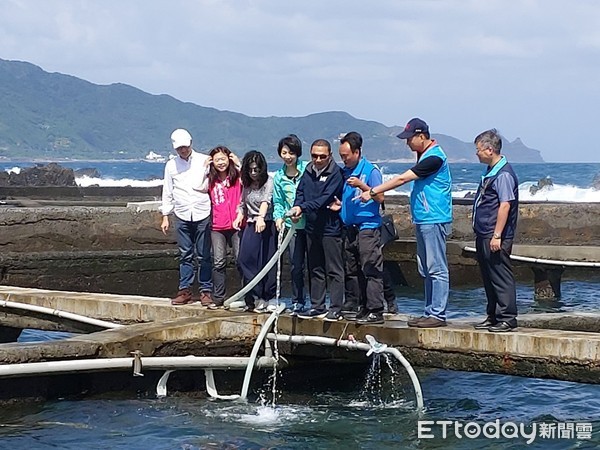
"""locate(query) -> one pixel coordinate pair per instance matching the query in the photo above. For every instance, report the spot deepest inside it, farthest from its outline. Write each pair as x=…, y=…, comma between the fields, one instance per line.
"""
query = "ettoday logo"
x=430, y=429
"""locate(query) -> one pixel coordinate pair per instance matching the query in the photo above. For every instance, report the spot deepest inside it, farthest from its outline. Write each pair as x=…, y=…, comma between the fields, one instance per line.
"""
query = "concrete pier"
x=121, y=250
x=556, y=346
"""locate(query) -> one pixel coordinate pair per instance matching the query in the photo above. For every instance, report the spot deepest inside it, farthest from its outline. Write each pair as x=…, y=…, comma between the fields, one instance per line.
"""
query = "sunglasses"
x=318, y=157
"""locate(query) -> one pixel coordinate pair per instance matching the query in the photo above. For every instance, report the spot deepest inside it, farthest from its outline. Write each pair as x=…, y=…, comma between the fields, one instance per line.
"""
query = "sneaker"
x=349, y=313
x=355, y=315
x=333, y=316
x=216, y=305
x=429, y=322
x=362, y=313
x=415, y=320
x=206, y=298
x=297, y=308
x=392, y=308
x=260, y=306
x=371, y=318
x=272, y=305
x=183, y=297
x=238, y=305
x=312, y=314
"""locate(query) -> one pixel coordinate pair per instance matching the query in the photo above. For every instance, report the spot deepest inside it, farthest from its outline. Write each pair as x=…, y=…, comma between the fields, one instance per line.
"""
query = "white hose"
x=259, y=340
x=155, y=363
x=353, y=345
x=59, y=313
x=551, y=262
x=259, y=276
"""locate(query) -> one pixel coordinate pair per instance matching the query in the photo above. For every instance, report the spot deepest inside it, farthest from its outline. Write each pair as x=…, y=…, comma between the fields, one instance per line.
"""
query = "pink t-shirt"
x=225, y=200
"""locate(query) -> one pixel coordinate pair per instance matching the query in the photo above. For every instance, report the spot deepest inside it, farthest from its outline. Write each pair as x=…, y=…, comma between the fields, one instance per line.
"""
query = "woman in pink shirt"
x=224, y=189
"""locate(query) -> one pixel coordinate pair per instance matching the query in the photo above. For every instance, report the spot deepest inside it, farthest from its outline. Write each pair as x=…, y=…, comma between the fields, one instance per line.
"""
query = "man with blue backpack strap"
x=431, y=210
x=362, y=234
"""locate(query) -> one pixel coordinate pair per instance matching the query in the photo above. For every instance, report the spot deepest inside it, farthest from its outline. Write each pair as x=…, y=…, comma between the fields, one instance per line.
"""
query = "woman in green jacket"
x=285, y=183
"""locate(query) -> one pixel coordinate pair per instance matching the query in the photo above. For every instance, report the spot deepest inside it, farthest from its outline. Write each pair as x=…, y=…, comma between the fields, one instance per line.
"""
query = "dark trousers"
x=256, y=249
x=297, y=255
x=498, y=280
x=388, y=292
x=364, y=269
x=221, y=239
x=326, y=269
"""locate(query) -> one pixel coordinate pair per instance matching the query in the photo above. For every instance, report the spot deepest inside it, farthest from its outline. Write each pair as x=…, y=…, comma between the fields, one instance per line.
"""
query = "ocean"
x=364, y=410
x=570, y=182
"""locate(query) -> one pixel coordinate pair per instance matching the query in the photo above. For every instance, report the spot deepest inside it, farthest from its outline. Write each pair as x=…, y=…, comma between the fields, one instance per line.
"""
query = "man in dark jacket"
x=320, y=186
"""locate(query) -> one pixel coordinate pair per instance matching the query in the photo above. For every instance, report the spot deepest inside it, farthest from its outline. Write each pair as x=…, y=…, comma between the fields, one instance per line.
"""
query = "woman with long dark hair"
x=225, y=190
x=257, y=245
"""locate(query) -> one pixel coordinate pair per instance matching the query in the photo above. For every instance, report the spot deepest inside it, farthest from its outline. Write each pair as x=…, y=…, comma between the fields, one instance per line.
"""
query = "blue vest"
x=431, y=197
x=486, y=204
x=355, y=212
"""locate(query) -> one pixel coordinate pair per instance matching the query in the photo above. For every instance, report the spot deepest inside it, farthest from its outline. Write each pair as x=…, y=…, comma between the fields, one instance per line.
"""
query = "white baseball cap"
x=181, y=138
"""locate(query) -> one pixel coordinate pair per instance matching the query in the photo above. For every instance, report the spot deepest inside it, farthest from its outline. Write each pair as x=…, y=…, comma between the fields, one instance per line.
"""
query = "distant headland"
x=56, y=117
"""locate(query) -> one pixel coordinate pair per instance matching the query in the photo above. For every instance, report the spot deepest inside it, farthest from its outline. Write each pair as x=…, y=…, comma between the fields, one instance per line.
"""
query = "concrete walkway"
x=569, y=350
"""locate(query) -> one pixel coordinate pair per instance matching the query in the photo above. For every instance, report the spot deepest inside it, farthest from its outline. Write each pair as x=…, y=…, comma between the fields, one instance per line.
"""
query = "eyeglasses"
x=253, y=170
x=318, y=157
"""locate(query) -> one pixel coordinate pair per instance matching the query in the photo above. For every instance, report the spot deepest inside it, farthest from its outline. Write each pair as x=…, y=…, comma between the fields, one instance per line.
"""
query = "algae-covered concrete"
x=122, y=250
x=78, y=228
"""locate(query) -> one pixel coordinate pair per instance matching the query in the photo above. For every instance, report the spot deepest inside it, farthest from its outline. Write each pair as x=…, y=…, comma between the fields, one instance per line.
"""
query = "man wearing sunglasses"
x=320, y=186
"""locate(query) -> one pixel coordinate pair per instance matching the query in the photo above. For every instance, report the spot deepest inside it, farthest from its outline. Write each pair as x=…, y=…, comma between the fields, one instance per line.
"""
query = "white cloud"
x=464, y=64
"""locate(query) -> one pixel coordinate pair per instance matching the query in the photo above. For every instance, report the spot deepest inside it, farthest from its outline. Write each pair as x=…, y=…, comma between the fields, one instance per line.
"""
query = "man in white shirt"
x=184, y=195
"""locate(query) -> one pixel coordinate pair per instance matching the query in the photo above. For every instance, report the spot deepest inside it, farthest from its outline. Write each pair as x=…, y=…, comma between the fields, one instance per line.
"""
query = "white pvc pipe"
x=151, y=363
x=353, y=345
x=59, y=313
x=241, y=293
x=259, y=340
x=551, y=262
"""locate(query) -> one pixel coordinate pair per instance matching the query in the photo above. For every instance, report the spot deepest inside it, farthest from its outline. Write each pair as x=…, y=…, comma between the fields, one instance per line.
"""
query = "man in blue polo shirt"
x=431, y=209
x=495, y=212
x=362, y=223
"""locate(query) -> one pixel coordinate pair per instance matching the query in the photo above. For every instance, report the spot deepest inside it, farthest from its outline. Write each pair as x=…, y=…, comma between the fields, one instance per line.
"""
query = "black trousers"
x=498, y=280
x=326, y=269
x=364, y=269
x=256, y=249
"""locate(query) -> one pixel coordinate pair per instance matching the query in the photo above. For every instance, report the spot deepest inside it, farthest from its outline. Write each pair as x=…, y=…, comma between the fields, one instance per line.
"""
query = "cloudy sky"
x=527, y=67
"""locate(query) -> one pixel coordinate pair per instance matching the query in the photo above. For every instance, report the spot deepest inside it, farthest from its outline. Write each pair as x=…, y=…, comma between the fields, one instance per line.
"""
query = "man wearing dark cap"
x=431, y=209
x=495, y=212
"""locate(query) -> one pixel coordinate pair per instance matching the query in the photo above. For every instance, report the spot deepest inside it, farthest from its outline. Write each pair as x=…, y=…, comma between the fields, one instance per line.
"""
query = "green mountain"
x=54, y=116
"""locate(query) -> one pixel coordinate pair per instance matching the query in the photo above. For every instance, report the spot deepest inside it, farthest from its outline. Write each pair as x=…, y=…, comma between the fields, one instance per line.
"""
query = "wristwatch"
x=372, y=193
x=496, y=236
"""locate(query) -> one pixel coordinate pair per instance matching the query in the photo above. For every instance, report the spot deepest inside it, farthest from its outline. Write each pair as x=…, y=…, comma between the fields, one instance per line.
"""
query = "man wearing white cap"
x=184, y=195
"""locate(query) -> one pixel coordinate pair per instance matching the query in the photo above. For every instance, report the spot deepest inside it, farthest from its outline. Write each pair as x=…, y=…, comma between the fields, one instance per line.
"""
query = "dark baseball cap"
x=414, y=126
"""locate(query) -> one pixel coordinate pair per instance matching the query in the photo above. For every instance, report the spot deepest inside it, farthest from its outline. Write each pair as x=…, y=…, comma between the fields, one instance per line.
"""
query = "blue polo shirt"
x=354, y=210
